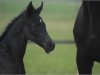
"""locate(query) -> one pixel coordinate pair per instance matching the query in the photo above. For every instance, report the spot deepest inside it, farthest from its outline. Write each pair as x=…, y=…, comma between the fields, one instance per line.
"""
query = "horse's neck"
x=15, y=42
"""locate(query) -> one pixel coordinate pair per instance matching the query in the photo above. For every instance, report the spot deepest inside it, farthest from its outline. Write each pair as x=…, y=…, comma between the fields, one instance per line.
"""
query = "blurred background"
x=59, y=16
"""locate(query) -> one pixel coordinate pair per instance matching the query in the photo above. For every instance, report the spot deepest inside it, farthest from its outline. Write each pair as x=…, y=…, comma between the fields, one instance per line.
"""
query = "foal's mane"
x=9, y=26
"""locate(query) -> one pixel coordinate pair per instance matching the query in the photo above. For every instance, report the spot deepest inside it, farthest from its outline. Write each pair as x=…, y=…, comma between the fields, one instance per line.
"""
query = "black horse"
x=27, y=26
x=87, y=36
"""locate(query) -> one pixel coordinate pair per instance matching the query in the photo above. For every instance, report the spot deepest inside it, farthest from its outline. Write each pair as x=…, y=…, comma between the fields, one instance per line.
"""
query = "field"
x=59, y=18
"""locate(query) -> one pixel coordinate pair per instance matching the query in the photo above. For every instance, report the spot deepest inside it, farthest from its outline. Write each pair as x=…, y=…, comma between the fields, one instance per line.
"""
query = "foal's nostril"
x=51, y=45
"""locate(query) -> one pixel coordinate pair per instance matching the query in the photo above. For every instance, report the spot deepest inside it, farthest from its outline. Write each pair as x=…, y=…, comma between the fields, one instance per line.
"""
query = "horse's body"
x=27, y=26
x=87, y=36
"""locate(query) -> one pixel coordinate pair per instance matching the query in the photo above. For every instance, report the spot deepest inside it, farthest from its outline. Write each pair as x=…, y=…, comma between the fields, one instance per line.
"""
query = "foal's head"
x=35, y=28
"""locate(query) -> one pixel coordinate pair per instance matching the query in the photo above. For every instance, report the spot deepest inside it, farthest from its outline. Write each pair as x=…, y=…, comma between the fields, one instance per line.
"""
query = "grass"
x=57, y=62
x=59, y=18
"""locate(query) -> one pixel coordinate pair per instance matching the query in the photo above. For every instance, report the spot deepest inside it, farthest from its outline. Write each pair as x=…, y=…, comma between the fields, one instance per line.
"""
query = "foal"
x=27, y=26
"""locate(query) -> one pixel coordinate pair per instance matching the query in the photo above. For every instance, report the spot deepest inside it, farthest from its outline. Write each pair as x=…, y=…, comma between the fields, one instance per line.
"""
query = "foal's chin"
x=48, y=49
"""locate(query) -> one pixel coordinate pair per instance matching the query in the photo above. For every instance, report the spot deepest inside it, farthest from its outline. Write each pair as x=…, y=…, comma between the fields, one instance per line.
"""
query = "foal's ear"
x=40, y=8
x=30, y=9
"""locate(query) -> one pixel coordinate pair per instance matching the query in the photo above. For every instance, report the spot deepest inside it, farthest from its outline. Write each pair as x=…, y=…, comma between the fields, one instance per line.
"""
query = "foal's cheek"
x=30, y=35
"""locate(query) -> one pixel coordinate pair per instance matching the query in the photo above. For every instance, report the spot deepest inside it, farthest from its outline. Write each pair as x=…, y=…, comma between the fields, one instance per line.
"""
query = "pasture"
x=59, y=18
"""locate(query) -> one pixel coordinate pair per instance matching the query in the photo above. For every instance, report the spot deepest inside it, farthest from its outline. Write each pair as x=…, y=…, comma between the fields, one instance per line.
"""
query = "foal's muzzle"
x=50, y=45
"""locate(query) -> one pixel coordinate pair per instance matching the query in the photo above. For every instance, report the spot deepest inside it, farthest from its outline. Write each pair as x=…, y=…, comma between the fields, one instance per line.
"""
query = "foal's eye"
x=40, y=20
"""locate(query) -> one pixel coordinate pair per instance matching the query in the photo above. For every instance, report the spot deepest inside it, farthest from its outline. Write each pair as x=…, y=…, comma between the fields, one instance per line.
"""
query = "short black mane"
x=9, y=26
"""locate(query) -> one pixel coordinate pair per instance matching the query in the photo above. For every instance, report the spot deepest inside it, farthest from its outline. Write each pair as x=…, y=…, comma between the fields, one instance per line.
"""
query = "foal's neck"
x=15, y=41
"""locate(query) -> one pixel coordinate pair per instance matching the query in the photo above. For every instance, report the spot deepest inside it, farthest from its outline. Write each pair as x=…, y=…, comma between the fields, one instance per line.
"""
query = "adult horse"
x=27, y=26
x=87, y=36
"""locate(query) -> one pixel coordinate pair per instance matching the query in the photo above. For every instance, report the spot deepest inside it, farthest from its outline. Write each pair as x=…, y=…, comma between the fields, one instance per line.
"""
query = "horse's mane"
x=9, y=26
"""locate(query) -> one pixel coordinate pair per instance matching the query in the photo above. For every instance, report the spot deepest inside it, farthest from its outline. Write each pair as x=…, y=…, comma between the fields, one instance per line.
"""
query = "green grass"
x=57, y=62
x=59, y=18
